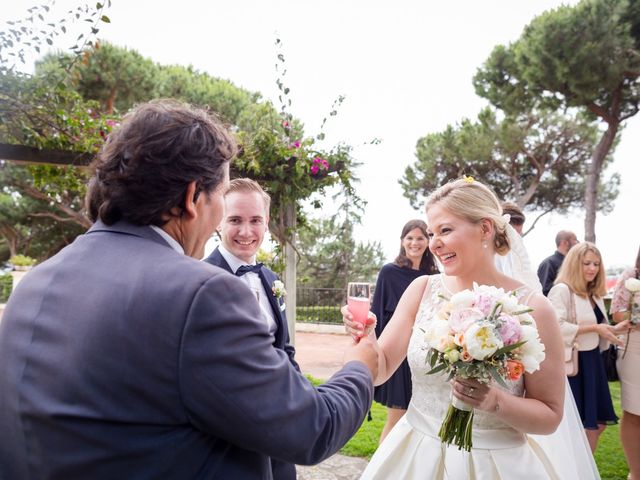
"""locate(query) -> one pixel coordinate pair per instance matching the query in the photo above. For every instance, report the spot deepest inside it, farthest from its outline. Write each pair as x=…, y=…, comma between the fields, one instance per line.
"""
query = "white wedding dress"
x=412, y=450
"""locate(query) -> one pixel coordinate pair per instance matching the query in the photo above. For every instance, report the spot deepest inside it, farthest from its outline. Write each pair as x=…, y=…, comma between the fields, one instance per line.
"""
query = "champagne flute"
x=359, y=301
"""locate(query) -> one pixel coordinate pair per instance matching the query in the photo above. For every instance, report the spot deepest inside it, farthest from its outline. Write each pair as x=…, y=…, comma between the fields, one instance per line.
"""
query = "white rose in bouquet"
x=510, y=304
x=532, y=350
x=482, y=340
x=463, y=299
x=435, y=332
x=632, y=284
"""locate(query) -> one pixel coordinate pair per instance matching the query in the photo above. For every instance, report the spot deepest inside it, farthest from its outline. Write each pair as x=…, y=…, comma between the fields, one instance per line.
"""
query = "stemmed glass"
x=359, y=301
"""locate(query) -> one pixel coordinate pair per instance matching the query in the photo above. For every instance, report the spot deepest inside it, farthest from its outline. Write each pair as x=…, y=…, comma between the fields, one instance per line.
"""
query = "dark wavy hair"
x=146, y=165
x=427, y=264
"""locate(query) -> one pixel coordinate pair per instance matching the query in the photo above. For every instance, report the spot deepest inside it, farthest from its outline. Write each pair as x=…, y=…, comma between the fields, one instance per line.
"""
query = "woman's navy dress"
x=392, y=282
x=590, y=388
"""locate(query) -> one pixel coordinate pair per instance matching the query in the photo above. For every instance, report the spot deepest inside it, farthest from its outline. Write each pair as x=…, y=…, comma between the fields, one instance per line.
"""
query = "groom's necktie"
x=248, y=268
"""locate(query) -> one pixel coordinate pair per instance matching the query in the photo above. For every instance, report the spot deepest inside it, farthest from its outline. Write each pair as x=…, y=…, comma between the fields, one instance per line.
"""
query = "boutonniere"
x=278, y=289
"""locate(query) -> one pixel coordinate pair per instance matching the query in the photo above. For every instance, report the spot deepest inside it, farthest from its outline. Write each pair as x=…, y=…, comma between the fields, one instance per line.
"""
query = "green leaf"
x=497, y=377
x=508, y=348
x=105, y=19
x=437, y=369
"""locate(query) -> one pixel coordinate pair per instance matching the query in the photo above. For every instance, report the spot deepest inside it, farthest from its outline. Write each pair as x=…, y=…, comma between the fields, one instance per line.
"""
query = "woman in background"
x=577, y=297
x=414, y=260
x=629, y=371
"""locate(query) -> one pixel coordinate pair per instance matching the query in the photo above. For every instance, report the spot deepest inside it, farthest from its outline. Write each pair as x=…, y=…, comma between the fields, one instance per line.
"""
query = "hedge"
x=6, y=286
x=319, y=314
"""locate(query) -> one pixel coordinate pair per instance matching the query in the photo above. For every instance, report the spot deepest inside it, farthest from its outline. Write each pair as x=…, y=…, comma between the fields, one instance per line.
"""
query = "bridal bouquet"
x=485, y=334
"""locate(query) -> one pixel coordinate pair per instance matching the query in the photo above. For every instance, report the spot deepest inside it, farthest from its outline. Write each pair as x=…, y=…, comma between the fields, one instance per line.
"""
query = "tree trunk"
x=290, y=268
x=593, y=178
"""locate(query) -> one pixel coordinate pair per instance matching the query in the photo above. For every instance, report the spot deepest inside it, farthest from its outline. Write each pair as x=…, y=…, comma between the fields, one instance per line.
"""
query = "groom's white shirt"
x=255, y=285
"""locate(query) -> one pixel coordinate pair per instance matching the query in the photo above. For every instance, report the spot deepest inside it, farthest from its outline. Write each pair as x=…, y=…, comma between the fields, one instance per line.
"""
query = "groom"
x=245, y=222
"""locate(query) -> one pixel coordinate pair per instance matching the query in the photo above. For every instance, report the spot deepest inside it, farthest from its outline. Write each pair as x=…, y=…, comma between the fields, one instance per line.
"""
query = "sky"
x=405, y=68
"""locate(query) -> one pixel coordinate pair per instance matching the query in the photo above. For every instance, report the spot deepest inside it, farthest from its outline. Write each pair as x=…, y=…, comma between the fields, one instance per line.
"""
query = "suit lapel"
x=218, y=260
x=275, y=307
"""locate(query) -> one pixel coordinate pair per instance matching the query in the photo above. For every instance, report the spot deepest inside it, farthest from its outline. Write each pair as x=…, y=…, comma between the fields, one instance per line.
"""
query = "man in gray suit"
x=124, y=357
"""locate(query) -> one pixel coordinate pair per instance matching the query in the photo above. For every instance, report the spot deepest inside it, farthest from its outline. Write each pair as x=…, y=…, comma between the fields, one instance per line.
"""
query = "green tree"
x=37, y=218
x=330, y=257
x=585, y=56
x=229, y=102
x=119, y=77
x=34, y=225
x=116, y=77
x=536, y=159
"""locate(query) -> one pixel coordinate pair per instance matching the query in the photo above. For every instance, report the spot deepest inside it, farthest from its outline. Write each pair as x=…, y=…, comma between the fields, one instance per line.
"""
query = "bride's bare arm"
x=540, y=411
x=394, y=339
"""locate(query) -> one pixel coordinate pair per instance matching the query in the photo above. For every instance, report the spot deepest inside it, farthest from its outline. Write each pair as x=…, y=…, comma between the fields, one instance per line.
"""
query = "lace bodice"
x=432, y=393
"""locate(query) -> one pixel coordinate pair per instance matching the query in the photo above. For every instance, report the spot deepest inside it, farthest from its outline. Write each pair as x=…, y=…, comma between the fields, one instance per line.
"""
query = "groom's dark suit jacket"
x=267, y=277
x=281, y=470
x=121, y=358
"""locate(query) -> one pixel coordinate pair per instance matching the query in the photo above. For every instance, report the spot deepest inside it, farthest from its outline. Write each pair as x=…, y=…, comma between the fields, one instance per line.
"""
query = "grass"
x=609, y=456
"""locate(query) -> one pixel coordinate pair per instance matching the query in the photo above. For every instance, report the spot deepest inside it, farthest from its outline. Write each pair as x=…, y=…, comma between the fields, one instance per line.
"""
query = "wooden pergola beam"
x=30, y=155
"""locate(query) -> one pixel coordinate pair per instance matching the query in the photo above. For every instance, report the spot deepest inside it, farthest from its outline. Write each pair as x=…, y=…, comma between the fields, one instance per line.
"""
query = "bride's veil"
x=567, y=448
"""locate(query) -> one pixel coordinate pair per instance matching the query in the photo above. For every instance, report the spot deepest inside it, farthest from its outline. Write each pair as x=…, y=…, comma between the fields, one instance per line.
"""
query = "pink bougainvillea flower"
x=314, y=170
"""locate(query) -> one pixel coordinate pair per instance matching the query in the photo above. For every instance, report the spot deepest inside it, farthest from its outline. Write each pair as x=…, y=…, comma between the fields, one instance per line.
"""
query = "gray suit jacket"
x=121, y=358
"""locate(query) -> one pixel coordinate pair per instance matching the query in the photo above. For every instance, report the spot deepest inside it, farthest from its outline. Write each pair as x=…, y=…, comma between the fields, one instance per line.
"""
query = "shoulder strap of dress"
x=430, y=285
x=528, y=296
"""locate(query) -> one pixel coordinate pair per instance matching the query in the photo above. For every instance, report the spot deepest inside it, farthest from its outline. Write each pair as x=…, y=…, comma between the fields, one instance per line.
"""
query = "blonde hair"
x=247, y=185
x=572, y=274
x=474, y=202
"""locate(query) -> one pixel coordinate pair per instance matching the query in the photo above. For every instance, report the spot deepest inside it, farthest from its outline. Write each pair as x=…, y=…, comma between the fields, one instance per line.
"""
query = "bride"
x=466, y=230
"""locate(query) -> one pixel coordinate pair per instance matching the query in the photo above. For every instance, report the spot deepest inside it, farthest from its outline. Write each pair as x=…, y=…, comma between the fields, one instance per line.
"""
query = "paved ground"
x=320, y=355
x=338, y=467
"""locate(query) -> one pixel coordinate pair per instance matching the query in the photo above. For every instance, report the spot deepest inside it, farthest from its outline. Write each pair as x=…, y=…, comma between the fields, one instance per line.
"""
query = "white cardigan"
x=560, y=296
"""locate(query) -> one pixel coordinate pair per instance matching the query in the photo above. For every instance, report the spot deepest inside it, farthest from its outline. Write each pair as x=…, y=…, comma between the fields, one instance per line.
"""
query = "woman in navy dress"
x=414, y=260
x=577, y=299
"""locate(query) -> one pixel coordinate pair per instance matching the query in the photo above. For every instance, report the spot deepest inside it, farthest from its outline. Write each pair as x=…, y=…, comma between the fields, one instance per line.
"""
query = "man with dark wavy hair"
x=123, y=356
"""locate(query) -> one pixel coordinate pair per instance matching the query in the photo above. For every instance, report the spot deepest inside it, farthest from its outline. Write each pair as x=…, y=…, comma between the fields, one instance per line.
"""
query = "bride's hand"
x=356, y=329
x=475, y=394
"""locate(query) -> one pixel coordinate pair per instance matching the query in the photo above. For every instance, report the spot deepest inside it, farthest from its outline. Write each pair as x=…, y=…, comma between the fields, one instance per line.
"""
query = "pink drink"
x=359, y=308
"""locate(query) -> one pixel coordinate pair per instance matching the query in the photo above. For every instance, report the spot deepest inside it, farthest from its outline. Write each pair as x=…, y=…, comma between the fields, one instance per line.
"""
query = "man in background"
x=245, y=222
x=549, y=267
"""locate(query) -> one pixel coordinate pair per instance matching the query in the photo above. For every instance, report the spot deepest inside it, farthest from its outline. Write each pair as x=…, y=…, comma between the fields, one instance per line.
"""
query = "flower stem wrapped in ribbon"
x=484, y=334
